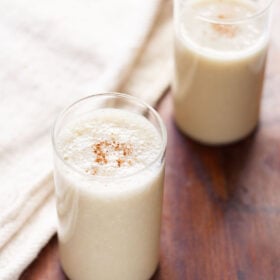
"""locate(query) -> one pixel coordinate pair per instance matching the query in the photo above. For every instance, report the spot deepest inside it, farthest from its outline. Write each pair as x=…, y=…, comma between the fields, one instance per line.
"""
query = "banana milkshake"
x=220, y=55
x=109, y=172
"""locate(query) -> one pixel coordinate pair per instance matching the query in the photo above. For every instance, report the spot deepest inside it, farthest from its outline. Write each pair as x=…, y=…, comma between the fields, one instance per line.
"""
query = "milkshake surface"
x=110, y=143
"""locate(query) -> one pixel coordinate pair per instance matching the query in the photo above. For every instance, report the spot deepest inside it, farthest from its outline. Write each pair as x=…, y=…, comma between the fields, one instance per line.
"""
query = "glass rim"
x=116, y=95
x=238, y=20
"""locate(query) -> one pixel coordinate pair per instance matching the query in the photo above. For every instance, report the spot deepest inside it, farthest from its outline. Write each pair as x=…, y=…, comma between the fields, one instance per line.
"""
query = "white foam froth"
x=109, y=142
x=199, y=27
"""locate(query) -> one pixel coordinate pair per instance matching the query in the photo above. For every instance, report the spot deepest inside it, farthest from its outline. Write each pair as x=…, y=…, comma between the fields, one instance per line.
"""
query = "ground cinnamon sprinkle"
x=120, y=162
x=227, y=30
x=103, y=149
x=92, y=171
x=221, y=16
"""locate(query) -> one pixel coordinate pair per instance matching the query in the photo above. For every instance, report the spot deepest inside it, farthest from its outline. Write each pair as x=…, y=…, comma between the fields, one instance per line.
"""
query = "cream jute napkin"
x=52, y=53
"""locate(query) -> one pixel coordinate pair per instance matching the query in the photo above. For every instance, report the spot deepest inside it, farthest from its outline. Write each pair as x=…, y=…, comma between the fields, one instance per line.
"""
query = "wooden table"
x=221, y=216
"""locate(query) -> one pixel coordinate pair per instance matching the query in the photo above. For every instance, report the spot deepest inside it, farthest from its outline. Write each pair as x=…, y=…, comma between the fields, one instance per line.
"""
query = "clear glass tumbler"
x=108, y=223
x=220, y=57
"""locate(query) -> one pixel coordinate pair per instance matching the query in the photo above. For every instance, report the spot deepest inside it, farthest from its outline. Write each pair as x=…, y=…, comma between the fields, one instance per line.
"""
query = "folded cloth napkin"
x=52, y=53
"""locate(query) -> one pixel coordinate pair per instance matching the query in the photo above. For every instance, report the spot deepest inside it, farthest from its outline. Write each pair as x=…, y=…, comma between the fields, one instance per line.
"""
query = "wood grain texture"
x=221, y=216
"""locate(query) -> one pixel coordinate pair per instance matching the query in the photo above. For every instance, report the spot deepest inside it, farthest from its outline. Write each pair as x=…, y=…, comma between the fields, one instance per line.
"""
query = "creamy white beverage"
x=220, y=55
x=109, y=187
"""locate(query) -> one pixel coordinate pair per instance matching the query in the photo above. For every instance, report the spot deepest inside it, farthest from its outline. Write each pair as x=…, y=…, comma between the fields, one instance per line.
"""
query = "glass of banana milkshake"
x=109, y=152
x=220, y=57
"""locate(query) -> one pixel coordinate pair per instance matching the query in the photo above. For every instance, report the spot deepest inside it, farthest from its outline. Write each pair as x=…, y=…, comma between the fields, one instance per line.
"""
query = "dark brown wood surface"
x=221, y=216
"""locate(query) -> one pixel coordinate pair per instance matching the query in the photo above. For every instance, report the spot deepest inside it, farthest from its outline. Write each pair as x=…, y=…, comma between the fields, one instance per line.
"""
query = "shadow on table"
x=242, y=175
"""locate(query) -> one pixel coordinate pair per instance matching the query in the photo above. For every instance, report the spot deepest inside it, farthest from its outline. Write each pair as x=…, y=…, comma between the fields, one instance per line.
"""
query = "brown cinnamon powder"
x=102, y=150
x=227, y=30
